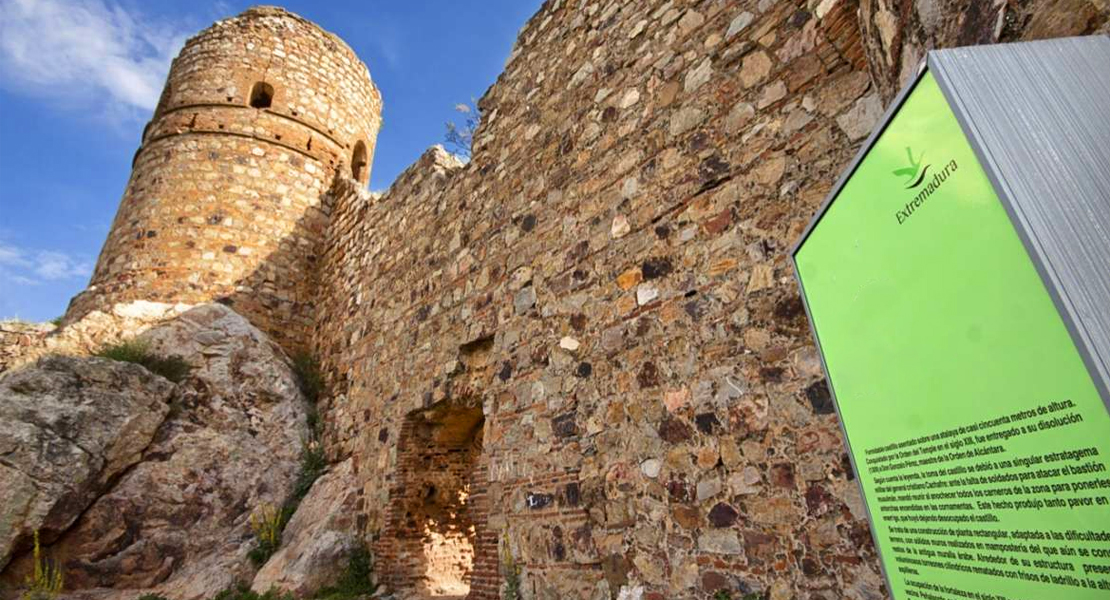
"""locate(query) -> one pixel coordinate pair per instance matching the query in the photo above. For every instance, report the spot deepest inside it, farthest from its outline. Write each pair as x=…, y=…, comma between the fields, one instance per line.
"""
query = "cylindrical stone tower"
x=259, y=114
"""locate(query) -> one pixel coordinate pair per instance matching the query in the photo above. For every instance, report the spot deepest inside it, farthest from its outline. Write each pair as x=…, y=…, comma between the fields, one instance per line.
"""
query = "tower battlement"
x=259, y=114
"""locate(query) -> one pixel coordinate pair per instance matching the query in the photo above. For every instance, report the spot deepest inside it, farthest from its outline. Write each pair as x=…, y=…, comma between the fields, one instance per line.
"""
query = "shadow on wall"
x=286, y=311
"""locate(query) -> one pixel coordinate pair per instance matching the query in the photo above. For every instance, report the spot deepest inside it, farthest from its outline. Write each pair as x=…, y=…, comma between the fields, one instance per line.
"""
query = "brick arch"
x=436, y=540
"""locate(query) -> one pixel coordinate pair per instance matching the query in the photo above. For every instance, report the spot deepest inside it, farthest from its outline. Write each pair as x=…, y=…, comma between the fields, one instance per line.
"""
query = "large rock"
x=68, y=428
x=23, y=343
x=897, y=35
x=178, y=522
x=318, y=539
x=18, y=338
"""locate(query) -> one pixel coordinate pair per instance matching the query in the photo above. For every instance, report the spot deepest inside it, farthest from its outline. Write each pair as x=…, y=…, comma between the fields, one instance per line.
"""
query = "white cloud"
x=32, y=267
x=79, y=52
x=51, y=265
x=11, y=257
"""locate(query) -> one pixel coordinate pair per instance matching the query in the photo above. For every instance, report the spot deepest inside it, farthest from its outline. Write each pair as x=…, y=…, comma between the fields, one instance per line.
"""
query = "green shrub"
x=312, y=419
x=311, y=383
x=313, y=465
x=354, y=581
x=724, y=594
x=242, y=591
x=511, y=571
x=267, y=523
x=260, y=554
x=309, y=377
x=152, y=597
x=173, y=368
x=45, y=580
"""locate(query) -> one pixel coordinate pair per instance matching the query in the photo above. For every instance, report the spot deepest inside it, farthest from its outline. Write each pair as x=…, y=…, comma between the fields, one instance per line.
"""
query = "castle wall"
x=655, y=412
x=224, y=201
x=657, y=424
x=608, y=278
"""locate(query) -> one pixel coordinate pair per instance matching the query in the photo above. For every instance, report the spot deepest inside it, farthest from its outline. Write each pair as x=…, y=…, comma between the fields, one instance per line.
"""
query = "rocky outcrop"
x=23, y=343
x=68, y=428
x=318, y=539
x=177, y=522
x=17, y=337
x=898, y=34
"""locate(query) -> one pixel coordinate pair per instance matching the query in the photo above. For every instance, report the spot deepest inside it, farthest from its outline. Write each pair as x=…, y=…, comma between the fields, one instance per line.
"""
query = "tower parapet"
x=259, y=114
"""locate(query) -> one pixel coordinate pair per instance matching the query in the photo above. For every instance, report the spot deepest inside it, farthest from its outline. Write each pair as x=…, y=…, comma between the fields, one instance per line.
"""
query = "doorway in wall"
x=437, y=504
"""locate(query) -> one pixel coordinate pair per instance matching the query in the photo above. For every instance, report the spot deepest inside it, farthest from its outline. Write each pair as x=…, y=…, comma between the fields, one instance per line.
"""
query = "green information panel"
x=980, y=440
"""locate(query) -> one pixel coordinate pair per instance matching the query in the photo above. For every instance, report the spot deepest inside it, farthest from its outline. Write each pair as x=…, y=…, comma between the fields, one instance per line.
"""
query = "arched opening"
x=262, y=95
x=358, y=162
x=438, y=523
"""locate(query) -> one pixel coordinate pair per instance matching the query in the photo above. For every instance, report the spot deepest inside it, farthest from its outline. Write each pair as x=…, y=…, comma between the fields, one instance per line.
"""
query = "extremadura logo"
x=916, y=176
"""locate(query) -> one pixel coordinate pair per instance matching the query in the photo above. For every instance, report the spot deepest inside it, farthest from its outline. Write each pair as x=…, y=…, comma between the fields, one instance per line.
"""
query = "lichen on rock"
x=177, y=519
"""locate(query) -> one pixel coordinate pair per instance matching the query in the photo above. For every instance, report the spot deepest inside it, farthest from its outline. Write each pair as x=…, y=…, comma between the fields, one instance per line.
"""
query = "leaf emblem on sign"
x=914, y=174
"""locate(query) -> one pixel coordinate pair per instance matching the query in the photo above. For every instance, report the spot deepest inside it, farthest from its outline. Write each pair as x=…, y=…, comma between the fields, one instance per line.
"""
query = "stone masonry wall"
x=224, y=200
x=657, y=425
x=656, y=419
x=18, y=338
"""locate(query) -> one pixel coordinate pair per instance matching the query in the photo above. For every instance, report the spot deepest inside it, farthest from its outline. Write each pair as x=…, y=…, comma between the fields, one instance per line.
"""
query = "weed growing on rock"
x=313, y=462
x=312, y=419
x=309, y=377
x=267, y=524
x=311, y=383
x=46, y=580
x=510, y=590
x=173, y=368
x=355, y=580
x=313, y=465
x=242, y=591
x=724, y=594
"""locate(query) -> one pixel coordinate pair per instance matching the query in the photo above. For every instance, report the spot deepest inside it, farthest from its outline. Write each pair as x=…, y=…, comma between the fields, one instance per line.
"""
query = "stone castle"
x=580, y=355
x=260, y=114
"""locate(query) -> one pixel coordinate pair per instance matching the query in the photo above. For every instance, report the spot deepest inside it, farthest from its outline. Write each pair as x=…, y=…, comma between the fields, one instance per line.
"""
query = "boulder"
x=896, y=35
x=177, y=523
x=318, y=539
x=69, y=427
x=23, y=343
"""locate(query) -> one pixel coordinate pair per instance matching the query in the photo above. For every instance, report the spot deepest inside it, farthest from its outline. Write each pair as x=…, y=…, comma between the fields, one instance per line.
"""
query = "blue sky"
x=79, y=79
